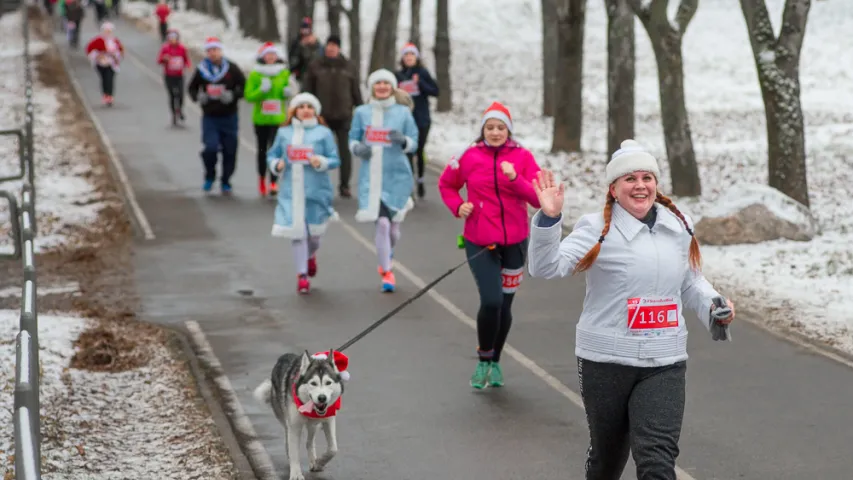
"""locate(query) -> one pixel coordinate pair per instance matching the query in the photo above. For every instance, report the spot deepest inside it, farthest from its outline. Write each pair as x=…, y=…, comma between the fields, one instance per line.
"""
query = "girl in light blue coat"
x=302, y=154
x=382, y=133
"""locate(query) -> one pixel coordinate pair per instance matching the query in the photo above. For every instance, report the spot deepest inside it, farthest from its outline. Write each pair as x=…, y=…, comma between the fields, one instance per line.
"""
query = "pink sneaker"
x=303, y=286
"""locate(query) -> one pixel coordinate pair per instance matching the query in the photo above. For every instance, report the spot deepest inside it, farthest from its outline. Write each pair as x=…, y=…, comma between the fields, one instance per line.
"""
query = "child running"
x=302, y=154
x=174, y=59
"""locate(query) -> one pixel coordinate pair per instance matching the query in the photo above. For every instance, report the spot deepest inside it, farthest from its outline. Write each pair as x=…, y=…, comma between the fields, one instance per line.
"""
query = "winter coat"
x=420, y=91
x=105, y=51
x=334, y=81
x=212, y=80
x=300, y=56
x=270, y=105
x=162, y=12
x=75, y=13
x=636, y=289
x=387, y=175
x=500, y=204
x=305, y=193
x=174, y=59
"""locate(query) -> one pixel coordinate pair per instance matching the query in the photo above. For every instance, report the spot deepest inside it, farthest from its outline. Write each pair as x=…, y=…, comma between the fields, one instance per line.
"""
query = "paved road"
x=758, y=408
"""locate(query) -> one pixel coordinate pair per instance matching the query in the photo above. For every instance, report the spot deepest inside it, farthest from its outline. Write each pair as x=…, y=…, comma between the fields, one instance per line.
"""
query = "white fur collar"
x=384, y=103
x=311, y=122
x=269, y=69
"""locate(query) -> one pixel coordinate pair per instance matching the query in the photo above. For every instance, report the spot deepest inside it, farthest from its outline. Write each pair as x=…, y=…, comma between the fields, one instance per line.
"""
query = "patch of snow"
x=102, y=426
x=72, y=287
x=64, y=195
x=726, y=115
x=767, y=56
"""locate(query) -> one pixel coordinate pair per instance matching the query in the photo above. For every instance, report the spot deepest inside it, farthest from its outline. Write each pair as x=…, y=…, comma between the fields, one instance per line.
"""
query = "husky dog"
x=305, y=392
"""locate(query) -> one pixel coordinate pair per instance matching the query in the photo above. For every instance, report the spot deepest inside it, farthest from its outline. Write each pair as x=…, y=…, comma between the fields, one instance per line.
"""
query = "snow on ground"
x=134, y=424
x=65, y=197
x=496, y=55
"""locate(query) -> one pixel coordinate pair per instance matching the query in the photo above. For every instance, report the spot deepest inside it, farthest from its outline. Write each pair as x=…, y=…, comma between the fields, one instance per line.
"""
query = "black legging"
x=265, y=135
x=107, y=79
x=494, y=319
x=422, y=138
x=175, y=88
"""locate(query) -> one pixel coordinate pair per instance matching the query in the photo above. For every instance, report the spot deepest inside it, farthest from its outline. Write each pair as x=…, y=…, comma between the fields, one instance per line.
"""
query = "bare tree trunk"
x=778, y=63
x=197, y=5
x=353, y=16
x=250, y=17
x=568, y=117
x=415, y=27
x=385, y=36
x=442, y=57
x=333, y=14
x=549, y=56
x=666, y=38
x=620, y=73
x=268, y=22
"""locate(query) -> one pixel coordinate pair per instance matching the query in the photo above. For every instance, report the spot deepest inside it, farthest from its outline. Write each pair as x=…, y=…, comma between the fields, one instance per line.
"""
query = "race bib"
x=72, y=25
x=176, y=63
x=377, y=136
x=299, y=153
x=214, y=90
x=411, y=87
x=511, y=279
x=271, y=107
x=103, y=60
x=652, y=316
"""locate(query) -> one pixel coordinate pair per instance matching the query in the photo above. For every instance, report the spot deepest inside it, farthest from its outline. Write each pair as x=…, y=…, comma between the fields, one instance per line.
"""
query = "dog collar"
x=308, y=409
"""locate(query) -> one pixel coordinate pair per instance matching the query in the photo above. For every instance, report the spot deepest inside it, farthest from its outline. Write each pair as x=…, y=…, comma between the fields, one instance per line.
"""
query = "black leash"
x=414, y=297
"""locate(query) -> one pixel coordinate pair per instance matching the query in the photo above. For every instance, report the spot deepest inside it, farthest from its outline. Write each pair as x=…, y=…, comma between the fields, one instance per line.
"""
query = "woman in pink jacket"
x=497, y=173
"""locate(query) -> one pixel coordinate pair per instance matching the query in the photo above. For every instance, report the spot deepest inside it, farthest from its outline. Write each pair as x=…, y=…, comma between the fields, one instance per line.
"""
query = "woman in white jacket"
x=631, y=340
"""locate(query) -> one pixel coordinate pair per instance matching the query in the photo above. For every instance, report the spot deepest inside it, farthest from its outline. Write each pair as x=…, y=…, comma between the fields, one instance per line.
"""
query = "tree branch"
x=644, y=14
x=686, y=11
x=793, y=30
x=758, y=26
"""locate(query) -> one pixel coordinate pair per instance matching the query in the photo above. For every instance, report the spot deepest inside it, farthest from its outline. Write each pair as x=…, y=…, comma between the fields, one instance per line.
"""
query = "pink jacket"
x=500, y=205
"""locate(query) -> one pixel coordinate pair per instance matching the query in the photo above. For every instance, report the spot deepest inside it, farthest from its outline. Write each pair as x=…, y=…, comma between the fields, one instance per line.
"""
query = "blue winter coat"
x=305, y=193
x=427, y=87
x=387, y=175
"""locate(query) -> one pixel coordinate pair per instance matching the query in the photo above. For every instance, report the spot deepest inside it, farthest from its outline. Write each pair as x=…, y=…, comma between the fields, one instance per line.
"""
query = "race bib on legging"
x=299, y=153
x=652, y=316
x=511, y=279
x=377, y=136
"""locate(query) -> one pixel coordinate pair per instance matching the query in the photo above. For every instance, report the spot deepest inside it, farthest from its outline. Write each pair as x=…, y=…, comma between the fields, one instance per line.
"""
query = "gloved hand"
x=362, y=151
x=202, y=98
x=397, y=137
x=227, y=96
x=266, y=84
x=720, y=310
x=291, y=90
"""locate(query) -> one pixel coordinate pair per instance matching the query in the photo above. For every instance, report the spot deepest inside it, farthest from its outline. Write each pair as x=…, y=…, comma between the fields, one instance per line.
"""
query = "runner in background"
x=268, y=87
x=382, y=133
x=303, y=153
x=217, y=85
x=175, y=60
x=105, y=51
x=162, y=12
x=74, y=14
x=496, y=173
x=415, y=79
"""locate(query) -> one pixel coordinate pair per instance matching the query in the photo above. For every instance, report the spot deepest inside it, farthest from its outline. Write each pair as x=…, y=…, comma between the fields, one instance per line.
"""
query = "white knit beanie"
x=631, y=157
x=303, y=98
x=381, y=75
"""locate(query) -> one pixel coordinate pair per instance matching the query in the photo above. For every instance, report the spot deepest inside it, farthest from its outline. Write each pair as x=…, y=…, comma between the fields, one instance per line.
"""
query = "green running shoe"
x=481, y=374
x=496, y=376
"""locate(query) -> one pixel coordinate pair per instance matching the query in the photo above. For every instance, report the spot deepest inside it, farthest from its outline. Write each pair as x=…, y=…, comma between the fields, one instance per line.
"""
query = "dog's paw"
x=316, y=466
x=296, y=476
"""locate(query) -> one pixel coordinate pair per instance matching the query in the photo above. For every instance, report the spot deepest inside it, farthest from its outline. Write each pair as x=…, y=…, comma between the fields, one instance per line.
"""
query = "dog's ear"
x=331, y=359
x=306, y=360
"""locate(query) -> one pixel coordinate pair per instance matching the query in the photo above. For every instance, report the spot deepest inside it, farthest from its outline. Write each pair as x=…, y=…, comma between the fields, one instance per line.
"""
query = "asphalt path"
x=757, y=408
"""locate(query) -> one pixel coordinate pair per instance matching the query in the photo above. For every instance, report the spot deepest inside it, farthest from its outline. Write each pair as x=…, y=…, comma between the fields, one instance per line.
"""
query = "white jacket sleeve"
x=548, y=257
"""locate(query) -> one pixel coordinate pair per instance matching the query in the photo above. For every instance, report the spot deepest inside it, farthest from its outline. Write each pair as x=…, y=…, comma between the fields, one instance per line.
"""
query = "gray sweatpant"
x=636, y=409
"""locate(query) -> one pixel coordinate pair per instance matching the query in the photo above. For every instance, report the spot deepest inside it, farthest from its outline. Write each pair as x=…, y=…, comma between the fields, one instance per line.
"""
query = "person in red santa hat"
x=105, y=51
x=175, y=60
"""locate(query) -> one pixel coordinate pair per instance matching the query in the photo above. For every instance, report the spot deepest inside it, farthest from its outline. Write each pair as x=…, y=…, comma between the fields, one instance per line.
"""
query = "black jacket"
x=206, y=76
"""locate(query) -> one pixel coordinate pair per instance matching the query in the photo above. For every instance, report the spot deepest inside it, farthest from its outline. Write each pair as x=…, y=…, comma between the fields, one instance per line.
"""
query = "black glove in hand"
x=720, y=311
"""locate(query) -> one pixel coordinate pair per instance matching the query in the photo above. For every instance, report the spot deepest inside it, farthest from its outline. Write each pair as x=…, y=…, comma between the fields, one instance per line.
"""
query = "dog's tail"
x=263, y=393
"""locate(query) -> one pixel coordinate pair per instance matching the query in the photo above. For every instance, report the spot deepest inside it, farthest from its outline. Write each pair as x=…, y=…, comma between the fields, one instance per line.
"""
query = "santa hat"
x=631, y=157
x=267, y=48
x=341, y=362
x=303, y=98
x=498, y=111
x=107, y=26
x=381, y=75
x=410, y=48
x=212, y=42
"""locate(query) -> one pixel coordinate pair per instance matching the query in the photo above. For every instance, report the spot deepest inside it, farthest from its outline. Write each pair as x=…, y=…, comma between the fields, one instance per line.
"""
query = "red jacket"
x=500, y=204
x=99, y=54
x=162, y=11
x=174, y=59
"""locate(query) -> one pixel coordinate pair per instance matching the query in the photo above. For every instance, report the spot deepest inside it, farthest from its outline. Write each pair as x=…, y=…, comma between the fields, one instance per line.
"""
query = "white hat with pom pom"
x=631, y=157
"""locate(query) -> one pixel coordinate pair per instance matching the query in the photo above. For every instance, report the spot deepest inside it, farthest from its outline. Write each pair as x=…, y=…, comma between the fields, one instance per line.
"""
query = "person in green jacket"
x=268, y=87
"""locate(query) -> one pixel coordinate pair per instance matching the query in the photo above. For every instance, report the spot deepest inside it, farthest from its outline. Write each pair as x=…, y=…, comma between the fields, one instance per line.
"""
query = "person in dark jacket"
x=303, y=49
x=74, y=14
x=415, y=79
x=334, y=80
x=216, y=85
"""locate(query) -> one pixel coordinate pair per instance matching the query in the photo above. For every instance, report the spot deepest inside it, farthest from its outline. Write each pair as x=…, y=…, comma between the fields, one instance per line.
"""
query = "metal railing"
x=26, y=417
